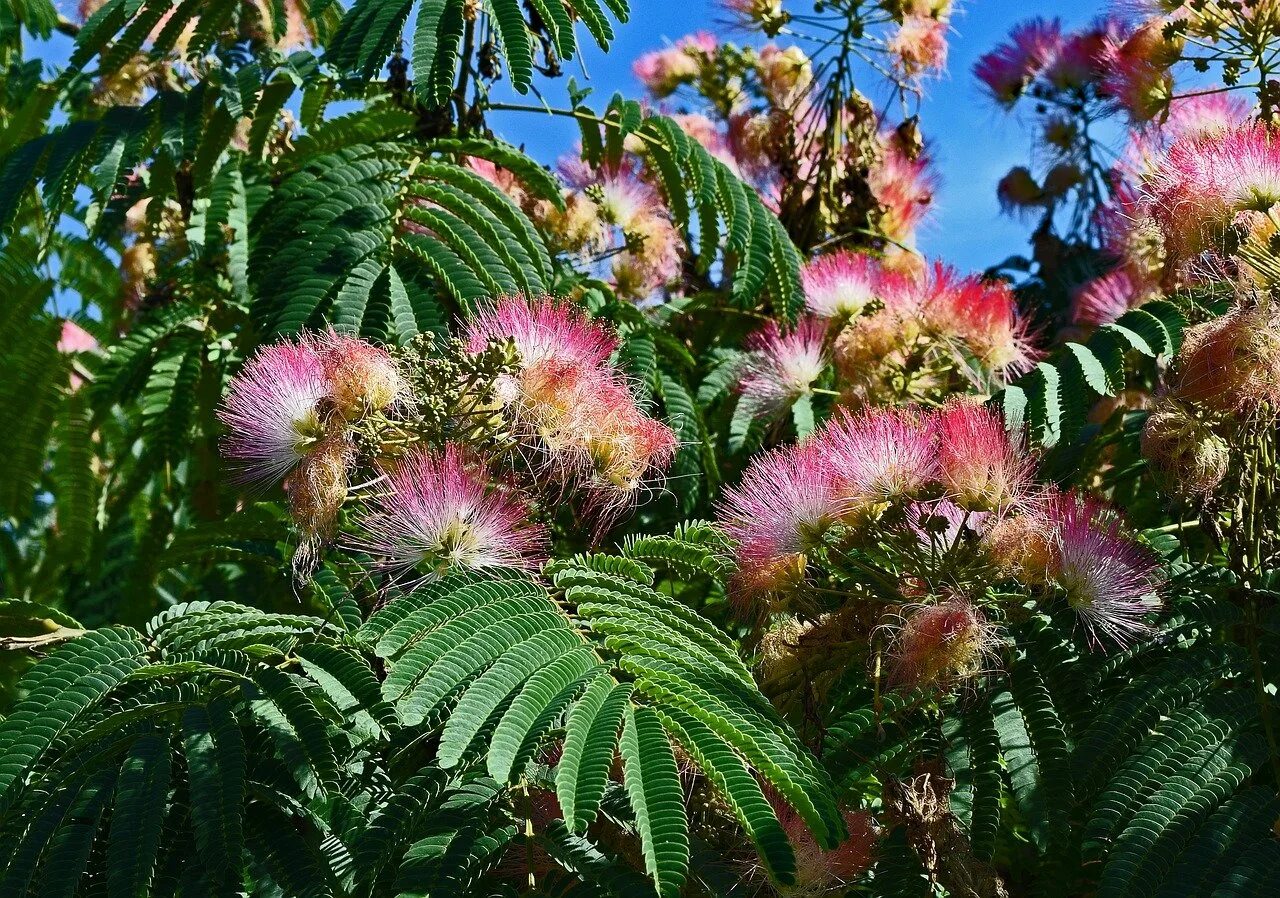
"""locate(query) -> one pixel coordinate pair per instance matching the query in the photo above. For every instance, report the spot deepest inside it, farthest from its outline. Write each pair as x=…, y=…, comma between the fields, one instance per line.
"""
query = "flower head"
x=362, y=377
x=1022, y=546
x=663, y=71
x=782, y=367
x=1105, y=298
x=784, y=504
x=438, y=511
x=1207, y=185
x=1010, y=67
x=274, y=410
x=920, y=44
x=1111, y=582
x=904, y=185
x=1185, y=453
x=982, y=313
x=1232, y=364
x=544, y=331
x=980, y=465
x=880, y=455
x=841, y=284
x=821, y=871
x=940, y=645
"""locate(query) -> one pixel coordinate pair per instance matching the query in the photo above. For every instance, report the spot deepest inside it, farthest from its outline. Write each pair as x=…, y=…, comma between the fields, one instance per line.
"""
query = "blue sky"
x=973, y=143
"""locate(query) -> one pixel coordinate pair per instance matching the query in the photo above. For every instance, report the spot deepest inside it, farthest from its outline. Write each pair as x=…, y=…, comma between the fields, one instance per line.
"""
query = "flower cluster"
x=924, y=510
x=311, y=412
x=764, y=114
x=572, y=406
x=892, y=335
x=1224, y=380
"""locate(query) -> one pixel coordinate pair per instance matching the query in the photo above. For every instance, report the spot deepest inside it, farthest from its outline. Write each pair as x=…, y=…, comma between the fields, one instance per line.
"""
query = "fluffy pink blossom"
x=1011, y=66
x=1111, y=582
x=273, y=410
x=979, y=464
x=920, y=44
x=438, y=511
x=940, y=645
x=904, y=187
x=881, y=454
x=782, y=366
x=362, y=377
x=1208, y=184
x=1104, y=299
x=663, y=71
x=982, y=313
x=786, y=500
x=543, y=330
x=1079, y=59
x=841, y=284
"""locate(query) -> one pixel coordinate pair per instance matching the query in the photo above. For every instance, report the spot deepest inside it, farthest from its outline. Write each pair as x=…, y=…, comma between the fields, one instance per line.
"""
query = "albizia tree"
x=386, y=513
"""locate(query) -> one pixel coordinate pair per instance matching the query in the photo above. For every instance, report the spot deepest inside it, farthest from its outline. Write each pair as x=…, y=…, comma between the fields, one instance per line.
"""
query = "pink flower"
x=1079, y=59
x=787, y=499
x=841, y=284
x=920, y=44
x=984, y=314
x=904, y=187
x=439, y=512
x=1137, y=70
x=1105, y=298
x=1011, y=66
x=362, y=377
x=74, y=338
x=980, y=465
x=940, y=645
x=782, y=367
x=1111, y=582
x=663, y=71
x=273, y=410
x=543, y=330
x=882, y=454
x=1207, y=184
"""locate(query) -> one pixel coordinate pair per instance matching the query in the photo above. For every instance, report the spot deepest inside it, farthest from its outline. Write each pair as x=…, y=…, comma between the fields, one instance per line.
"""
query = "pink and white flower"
x=438, y=511
x=841, y=284
x=880, y=455
x=1111, y=582
x=979, y=464
x=274, y=410
x=781, y=367
x=786, y=501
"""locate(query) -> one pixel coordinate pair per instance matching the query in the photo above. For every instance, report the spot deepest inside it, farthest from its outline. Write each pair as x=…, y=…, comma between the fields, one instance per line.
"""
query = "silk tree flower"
x=1137, y=67
x=1011, y=66
x=786, y=75
x=620, y=445
x=940, y=645
x=904, y=185
x=543, y=330
x=362, y=377
x=1111, y=582
x=821, y=871
x=777, y=514
x=981, y=467
x=1207, y=185
x=781, y=367
x=1104, y=299
x=880, y=455
x=1232, y=363
x=919, y=45
x=981, y=313
x=1021, y=545
x=437, y=511
x=1186, y=118
x=1080, y=58
x=841, y=284
x=317, y=489
x=662, y=72
x=274, y=411
x=1185, y=453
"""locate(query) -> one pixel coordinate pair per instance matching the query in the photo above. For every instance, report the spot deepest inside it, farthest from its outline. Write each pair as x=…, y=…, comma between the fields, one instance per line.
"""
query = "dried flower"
x=940, y=645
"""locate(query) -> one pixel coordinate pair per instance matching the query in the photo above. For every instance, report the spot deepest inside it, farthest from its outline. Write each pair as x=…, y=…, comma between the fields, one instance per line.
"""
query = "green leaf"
x=653, y=784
